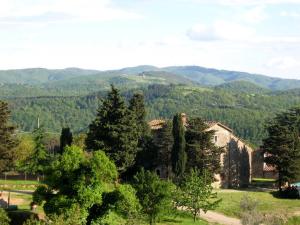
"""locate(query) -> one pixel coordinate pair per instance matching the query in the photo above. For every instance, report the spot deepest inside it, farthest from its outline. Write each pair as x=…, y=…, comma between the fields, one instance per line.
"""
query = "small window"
x=215, y=139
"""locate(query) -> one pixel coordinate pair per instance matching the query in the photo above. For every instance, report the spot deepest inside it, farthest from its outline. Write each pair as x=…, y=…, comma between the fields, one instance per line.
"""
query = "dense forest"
x=241, y=105
x=70, y=97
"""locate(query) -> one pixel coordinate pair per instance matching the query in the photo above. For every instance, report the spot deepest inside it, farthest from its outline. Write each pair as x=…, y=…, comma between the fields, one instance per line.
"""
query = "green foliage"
x=4, y=219
x=283, y=145
x=179, y=157
x=121, y=202
x=79, y=140
x=66, y=138
x=127, y=205
x=155, y=195
x=137, y=106
x=70, y=216
x=24, y=151
x=196, y=193
x=115, y=131
x=39, y=159
x=75, y=178
x=110, y=218
x=245, y=113
x=164, y=143
x=7, y=140
x=202, y=152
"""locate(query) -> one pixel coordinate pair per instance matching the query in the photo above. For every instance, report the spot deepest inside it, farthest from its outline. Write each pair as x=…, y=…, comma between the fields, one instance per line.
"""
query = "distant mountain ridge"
x=144, y=74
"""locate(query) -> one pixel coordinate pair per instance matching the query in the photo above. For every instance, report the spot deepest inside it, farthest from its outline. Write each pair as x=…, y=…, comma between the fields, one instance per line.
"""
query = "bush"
x=290, y=192
x=19, y=217
x=122, y=202
x=275, y=219
x=250, y=215
x=4, y=219
x=155, y=195
x=110, y=218
x=70, y=217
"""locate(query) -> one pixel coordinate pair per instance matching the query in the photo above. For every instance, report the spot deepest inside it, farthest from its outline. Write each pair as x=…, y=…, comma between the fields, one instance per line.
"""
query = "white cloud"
x=246, y=2
x=290, y=14
x=255, y=15
x=220, y=30
x=25, y=11
x=283, y=63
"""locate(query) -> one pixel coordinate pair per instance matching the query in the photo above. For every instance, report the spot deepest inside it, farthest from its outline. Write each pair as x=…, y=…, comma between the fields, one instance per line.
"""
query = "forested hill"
x=245, y=108
x=39, y=78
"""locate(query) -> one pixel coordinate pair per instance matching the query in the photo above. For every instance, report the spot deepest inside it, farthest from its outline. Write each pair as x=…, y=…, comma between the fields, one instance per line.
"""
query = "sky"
x=256, y=36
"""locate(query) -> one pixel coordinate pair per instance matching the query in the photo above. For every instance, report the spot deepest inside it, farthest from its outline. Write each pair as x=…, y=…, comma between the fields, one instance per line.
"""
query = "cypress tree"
x=66, y=138
x=283, y=145
x=7, y=140
x=179, y=157
x=202, y=153
x=114, y=131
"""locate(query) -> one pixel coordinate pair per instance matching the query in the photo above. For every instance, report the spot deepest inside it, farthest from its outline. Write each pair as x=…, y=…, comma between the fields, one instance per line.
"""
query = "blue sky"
x=258, y=36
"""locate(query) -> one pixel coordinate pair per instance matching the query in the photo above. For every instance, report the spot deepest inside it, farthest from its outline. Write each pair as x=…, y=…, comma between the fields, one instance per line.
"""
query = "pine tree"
x=66, y=138
x=202, y=152
x=39, y=159
x=137, y=106
x=164, y=142
x=114, y=131
x=7, y=139
x=179, y=157
x=283, y=145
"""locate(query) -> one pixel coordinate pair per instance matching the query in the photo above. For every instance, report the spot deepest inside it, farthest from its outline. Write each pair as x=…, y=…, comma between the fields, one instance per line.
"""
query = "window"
x=215, y=138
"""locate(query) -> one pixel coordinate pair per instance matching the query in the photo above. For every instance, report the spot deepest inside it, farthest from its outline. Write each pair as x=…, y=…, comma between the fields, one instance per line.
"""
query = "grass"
x=19, y=182
x=263, y=180
x=295, y=220
x=180, y=218
x=230, y=204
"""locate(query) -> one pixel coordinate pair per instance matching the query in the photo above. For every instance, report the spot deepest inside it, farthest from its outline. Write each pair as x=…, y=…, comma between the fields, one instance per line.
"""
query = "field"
x=231, y=199
x=181, y=218
x=18, y=184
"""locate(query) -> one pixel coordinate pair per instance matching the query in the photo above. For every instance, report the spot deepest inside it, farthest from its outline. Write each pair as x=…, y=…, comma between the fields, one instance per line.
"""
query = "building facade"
x=235, y=161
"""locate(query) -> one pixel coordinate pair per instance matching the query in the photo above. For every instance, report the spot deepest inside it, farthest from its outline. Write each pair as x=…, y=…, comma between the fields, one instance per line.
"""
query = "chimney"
x=184, y=119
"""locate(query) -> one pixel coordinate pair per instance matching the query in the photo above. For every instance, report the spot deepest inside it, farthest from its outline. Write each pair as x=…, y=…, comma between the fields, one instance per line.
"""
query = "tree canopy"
x=75, y=179
x=8, y=139
x=115, y=131
x=282, y=146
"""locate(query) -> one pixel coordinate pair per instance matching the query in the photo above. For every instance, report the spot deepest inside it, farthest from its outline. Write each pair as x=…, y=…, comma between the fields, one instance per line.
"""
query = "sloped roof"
x=213, y=123
x=158, y=124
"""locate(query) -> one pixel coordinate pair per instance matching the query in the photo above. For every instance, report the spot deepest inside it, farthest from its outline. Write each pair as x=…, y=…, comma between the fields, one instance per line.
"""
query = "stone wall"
x=236, y=161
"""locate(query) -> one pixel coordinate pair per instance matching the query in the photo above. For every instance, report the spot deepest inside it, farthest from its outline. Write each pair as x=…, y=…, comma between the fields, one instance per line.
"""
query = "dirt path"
x=214, y=217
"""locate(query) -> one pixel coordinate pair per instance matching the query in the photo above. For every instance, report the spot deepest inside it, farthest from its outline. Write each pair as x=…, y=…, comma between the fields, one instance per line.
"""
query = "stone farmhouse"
x=235, y=161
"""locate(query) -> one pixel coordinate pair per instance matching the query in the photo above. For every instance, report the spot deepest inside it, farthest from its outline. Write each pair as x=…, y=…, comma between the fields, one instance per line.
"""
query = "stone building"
x=235, y=161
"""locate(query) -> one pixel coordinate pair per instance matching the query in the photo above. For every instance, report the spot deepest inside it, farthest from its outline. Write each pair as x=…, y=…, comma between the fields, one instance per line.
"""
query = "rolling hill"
x=140, y=75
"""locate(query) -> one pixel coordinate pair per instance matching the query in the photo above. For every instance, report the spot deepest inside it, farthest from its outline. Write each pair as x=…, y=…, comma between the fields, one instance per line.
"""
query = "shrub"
x=275, y=219
x=4, y=219
x=250, y=215
x=19, y=217
x=122, y=202
x=290, y=192
x=155, y=195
